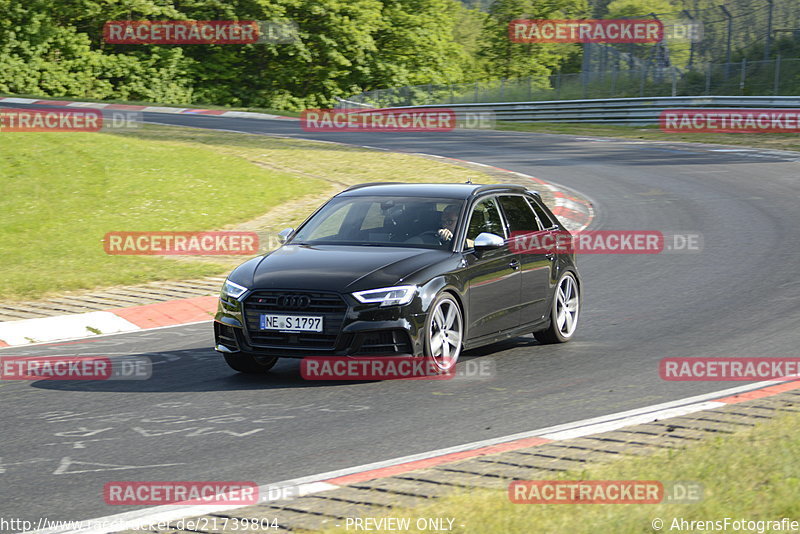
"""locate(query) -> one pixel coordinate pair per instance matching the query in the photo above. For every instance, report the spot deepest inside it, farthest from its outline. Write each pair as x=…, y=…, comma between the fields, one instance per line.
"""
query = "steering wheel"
x=434, y=234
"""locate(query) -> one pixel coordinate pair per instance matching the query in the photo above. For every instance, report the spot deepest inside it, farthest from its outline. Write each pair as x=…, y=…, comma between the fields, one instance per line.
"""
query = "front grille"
x=329, y=306
x=385, y=342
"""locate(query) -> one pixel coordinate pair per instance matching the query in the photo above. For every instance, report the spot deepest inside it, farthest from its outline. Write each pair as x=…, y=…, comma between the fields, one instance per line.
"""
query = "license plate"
x=295, y=323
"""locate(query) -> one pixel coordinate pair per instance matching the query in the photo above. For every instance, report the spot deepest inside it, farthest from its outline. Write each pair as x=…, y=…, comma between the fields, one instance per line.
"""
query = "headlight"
x=234, y=291
x=387, y=296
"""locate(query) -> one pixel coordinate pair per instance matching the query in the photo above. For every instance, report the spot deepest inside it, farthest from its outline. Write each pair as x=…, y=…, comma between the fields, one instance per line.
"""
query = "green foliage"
x=469, y=24
x=506, y=59
x=637, y=8
x=55, y=48
x=55, y=51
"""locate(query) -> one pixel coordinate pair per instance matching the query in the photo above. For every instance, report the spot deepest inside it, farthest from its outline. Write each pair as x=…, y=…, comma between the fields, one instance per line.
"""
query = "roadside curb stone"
x=379, y=496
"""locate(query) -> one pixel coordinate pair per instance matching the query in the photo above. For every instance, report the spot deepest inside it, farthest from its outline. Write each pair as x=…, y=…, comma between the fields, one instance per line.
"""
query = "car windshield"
x=383, y=221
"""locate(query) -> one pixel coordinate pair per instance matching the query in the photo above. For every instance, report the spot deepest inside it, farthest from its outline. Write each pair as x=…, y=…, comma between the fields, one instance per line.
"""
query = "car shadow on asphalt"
x=198, y=370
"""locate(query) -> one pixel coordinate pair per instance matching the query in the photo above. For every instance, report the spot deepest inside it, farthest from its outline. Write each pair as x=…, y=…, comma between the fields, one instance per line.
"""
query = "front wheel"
x=444, y=332
x=563, y=313
x=250, y=363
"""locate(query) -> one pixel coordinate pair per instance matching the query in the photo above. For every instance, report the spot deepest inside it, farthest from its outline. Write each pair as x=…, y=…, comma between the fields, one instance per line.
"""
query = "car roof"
x=398, y=189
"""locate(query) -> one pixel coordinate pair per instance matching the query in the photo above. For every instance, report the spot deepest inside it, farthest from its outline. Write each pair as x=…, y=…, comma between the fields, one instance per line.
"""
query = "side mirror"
x=486, y=240
x=284, y=235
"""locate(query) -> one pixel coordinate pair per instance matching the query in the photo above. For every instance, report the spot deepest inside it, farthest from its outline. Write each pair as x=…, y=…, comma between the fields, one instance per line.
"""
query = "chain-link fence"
x=774, y=77
x=698, y=56
x=700, y=36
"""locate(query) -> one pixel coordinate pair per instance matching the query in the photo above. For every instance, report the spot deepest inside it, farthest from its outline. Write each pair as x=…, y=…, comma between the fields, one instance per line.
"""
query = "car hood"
x=337, y=268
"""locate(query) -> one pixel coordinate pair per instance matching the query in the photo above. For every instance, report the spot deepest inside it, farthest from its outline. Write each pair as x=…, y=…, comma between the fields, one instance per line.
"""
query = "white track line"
x=311, y=484
x=75, y=340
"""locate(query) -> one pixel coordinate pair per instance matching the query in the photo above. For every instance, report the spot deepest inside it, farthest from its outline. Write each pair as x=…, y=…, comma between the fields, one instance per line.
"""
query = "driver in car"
x=449, y=220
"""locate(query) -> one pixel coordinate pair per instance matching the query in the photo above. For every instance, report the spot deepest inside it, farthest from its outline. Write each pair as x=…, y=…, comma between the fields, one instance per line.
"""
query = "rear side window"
x=544, y=219
x=519, y=214
x=485, y=218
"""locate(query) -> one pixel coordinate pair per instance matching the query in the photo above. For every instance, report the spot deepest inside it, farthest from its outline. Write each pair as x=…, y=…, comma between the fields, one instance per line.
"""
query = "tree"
x=506, y=59
x=55, y=48
x=619, y=9
x=467, y=33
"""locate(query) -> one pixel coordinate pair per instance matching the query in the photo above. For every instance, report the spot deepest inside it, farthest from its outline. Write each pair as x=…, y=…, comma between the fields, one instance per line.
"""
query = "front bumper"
x=350, y=327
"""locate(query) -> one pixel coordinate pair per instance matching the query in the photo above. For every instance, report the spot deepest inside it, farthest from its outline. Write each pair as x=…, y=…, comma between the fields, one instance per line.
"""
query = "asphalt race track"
x=196, y=419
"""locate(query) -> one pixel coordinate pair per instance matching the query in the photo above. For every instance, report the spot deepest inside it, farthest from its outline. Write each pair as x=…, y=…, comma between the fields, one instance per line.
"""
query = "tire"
x=249, y=363
x=566, y=299
x=443, y=345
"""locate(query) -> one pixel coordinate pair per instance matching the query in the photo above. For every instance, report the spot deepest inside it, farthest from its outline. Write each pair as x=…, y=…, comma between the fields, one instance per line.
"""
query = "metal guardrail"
x=630, y=111
x=351, y=104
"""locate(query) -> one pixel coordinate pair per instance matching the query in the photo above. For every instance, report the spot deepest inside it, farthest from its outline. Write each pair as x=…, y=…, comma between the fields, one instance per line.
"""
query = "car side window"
x=544, y=219
x=519, y=214
x=485, y=217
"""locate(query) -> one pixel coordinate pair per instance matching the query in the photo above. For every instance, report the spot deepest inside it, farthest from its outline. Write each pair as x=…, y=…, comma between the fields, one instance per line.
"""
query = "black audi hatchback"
x=392, y=269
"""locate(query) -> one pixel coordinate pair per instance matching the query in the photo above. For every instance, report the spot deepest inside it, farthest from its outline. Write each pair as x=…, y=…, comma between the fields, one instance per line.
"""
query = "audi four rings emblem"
x=294, y=302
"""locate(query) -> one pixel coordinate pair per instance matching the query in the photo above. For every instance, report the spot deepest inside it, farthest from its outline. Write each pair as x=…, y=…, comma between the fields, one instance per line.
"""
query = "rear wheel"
x=563, y=313
x=250, y=363
x=444, y=332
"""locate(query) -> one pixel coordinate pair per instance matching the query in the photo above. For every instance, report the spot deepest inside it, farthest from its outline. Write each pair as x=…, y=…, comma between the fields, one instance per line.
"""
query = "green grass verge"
x=64, y=191
x=777, y=141
x=752, y=475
